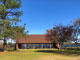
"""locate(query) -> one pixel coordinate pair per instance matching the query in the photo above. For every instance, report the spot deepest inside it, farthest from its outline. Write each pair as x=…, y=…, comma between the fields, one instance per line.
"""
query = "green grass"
x=41, y=54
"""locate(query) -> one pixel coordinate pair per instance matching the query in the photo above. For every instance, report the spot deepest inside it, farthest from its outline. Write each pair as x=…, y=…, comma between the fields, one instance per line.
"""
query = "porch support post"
x=16, y=46
x=42, y=45
x=50, y=45
x=25, y=45
x=33, y=46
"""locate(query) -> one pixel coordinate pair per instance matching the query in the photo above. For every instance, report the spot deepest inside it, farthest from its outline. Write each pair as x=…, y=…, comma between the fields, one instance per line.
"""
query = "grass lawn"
x=41, y=54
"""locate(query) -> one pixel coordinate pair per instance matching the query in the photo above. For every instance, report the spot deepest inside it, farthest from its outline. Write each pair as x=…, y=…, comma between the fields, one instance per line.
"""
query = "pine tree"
x=9, y=17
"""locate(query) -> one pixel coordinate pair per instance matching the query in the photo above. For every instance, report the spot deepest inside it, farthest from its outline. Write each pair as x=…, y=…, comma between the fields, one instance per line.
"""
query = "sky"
x=40, y=15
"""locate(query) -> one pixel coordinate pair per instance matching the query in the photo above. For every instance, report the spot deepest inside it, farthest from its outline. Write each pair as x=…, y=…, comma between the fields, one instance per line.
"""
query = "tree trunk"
x=5, y=44
x=5, y=40
x=76, y=44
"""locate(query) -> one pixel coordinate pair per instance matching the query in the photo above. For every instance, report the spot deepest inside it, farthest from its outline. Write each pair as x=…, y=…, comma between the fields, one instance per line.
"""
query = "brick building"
x=33, y=42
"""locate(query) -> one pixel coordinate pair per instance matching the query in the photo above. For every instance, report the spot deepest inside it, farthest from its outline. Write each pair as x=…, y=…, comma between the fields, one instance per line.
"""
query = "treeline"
x=61, y=34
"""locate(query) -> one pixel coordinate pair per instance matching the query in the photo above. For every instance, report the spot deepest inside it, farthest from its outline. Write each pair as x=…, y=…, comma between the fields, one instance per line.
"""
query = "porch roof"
x=33, y=39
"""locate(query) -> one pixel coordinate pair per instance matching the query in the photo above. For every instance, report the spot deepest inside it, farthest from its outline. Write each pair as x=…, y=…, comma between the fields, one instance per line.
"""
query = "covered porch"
x=34, y=45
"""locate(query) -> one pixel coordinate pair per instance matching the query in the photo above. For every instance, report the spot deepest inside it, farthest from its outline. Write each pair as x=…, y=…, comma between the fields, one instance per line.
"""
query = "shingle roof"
x=34, y=39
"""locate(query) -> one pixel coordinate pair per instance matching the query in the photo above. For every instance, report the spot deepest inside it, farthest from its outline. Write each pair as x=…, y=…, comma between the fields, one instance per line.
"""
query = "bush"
x=11, y=49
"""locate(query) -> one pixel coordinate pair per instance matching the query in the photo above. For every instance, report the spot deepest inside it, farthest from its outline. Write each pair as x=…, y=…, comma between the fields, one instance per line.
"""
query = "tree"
x=76, y=31
x=9, y=17
x=1, y=45
x=60, y=34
